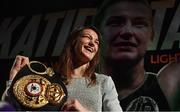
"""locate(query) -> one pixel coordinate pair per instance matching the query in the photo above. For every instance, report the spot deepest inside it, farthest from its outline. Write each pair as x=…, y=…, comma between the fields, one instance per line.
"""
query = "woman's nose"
x=91, y=43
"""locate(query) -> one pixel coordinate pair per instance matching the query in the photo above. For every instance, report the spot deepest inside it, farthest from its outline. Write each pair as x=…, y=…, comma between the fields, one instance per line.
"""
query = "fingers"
x=69, y=105
x=73, y=105
x=22, y=61
x=19, y=63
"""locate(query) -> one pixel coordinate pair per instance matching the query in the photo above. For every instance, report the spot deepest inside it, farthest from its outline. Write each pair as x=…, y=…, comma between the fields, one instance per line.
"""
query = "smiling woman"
x=81, y=53
x=87, y=46
x=87, y=90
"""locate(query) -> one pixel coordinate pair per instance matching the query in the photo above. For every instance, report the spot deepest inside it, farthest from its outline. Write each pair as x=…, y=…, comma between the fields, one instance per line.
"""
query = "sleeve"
x=8, y=98
x=7, y=102
x=5, y=95
x=110, y=96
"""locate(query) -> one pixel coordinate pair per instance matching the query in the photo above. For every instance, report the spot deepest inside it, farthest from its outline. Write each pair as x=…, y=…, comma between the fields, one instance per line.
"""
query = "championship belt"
x=37, y=87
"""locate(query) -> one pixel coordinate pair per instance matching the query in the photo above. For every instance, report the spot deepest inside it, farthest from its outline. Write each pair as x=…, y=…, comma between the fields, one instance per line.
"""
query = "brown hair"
x=67, y=60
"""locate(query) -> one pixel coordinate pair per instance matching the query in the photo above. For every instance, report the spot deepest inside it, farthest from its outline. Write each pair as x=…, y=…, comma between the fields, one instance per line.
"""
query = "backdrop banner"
x=38, y=29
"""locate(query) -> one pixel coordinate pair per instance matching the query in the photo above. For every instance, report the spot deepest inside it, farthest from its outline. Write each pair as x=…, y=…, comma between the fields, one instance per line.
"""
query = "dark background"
x=28, y=7
x=14, y=8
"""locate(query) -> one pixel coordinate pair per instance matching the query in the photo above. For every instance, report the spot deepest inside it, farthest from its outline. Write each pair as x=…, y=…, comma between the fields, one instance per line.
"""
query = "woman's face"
x=87, y=45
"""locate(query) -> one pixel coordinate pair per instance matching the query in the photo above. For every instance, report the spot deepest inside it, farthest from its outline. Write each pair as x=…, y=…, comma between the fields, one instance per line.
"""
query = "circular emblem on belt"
x=30, y=91
x=33, y=89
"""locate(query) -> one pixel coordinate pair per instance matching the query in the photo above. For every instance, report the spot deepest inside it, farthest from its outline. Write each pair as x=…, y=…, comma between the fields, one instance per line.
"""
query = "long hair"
x=67, y=57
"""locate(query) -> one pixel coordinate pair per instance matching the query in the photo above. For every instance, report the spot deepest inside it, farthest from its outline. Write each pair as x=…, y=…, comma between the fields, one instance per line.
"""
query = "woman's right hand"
x=19, y=62
x=73, y=105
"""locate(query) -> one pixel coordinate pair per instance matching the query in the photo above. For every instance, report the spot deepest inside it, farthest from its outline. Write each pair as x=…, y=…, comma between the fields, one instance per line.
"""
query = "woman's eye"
x=85, y=36
x=97, y=42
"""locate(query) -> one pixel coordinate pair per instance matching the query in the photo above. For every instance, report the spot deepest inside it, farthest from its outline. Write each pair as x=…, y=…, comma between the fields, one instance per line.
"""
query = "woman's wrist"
x=8, y=83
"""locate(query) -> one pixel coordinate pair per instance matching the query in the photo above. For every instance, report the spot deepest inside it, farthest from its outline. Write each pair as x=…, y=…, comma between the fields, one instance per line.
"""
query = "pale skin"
x=85, y=49
x=19, y=63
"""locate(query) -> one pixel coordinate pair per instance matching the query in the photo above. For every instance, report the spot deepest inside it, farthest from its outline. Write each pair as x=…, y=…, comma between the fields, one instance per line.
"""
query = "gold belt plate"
x=35, y=91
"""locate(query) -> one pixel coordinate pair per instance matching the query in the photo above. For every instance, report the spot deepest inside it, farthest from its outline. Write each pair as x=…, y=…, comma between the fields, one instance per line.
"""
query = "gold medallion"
x=55, y=93
x=30, y=91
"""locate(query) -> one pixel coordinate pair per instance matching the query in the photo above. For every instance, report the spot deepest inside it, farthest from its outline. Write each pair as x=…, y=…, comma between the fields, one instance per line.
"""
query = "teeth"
x=89, y=49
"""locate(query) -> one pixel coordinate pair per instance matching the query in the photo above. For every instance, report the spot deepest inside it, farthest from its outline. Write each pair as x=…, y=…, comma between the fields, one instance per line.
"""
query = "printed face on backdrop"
x=127, y=30
x=87, y=45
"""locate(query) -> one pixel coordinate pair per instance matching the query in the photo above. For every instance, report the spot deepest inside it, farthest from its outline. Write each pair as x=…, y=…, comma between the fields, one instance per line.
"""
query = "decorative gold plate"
x=30, y=91
x=35, y=89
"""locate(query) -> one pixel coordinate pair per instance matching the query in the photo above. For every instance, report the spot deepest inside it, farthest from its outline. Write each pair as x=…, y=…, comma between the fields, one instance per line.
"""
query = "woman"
x=87, y=90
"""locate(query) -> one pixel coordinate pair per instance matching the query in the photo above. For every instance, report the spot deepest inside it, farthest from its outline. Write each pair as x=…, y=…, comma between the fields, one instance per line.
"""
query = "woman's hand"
x=74, y=105
x=19, y=62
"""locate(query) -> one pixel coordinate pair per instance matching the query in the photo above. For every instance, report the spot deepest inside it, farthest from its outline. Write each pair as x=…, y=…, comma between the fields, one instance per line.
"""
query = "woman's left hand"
x=74, y=105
